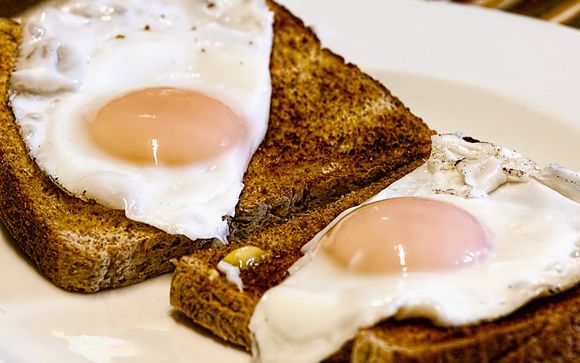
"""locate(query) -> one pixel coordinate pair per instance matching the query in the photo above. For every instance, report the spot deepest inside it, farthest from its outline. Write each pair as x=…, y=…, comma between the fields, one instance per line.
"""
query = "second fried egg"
x=470, y=236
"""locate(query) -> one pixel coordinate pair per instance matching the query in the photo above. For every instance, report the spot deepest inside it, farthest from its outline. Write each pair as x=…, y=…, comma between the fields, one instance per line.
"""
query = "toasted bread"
x=332, y=130
x=78, y=245
x=547, y=329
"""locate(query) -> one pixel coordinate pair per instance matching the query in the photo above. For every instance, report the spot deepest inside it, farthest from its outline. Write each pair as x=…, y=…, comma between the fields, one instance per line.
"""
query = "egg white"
x=79, y=55
x=536, y=234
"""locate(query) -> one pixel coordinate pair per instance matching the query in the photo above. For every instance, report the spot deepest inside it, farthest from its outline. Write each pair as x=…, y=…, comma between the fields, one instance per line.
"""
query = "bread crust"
x=545, y=330
x=314, y=152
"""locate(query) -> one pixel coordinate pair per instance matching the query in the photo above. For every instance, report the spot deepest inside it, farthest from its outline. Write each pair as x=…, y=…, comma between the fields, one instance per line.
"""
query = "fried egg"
x=153, y=107
x=468, y=237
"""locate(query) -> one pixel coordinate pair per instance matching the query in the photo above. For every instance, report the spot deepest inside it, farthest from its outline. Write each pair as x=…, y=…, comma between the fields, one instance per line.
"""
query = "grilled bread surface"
x=332, y=130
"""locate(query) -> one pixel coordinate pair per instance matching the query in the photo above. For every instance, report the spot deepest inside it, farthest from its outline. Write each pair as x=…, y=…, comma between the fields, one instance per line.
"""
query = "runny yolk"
x=166, y=126
x=406, y=234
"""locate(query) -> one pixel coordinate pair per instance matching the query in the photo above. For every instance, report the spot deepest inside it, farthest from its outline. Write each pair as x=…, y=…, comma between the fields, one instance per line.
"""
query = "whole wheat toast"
x=332, y=130
x=546, y=329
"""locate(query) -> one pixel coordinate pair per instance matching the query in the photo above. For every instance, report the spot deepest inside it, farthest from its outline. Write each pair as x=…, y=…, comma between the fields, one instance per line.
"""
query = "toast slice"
x=332, y=130
x=546, y=329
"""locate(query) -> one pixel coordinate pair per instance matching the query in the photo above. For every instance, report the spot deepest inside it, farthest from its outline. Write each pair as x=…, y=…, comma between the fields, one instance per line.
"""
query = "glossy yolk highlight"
x=406, y=234
x=166, y=126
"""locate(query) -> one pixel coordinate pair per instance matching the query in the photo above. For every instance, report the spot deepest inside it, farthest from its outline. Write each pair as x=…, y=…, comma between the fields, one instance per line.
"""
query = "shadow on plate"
x=183, y=320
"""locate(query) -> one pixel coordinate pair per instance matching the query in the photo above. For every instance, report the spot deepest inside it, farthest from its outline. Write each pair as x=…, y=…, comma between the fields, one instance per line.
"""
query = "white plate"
x=495, y=76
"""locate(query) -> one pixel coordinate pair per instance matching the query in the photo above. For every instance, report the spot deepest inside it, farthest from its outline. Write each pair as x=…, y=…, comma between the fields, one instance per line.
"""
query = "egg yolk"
x=166, y=126
x=406, y=234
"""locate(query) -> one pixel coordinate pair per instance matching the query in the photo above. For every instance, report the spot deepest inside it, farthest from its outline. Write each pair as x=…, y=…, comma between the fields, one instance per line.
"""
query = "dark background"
x=545, y=9
x=12, y=7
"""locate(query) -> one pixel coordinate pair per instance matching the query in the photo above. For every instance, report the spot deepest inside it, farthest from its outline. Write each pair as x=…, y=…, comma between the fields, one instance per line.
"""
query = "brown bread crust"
x=545, y=330
x=332, y=130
